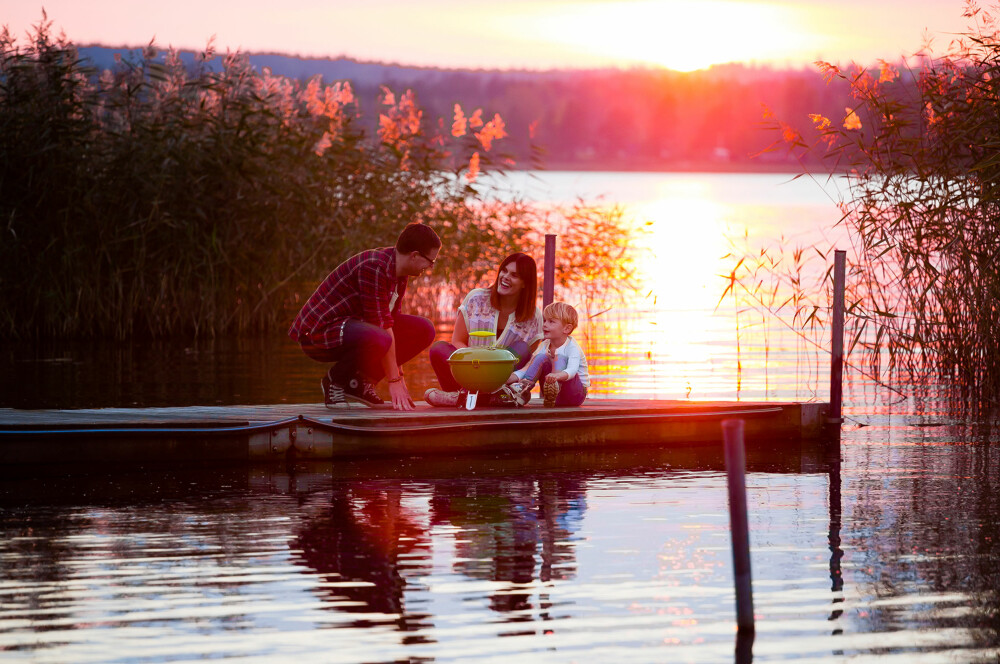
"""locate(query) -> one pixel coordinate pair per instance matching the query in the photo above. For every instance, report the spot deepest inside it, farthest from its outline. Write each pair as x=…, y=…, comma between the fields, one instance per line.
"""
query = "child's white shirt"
x=576, y=361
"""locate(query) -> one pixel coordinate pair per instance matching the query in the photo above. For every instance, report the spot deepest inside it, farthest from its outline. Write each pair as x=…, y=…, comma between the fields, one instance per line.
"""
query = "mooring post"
x=549, y=270
x=837, y=350
x=836, y=521
x=732, y=434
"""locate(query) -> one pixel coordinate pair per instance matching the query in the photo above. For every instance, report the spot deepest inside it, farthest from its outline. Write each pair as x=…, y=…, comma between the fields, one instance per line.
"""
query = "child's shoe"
x=440, y=398
x=522, y=391
x=505, y=397
x=550, y=390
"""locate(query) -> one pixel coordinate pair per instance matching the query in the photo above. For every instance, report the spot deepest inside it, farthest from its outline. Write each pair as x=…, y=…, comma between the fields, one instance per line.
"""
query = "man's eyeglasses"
x=424, y=256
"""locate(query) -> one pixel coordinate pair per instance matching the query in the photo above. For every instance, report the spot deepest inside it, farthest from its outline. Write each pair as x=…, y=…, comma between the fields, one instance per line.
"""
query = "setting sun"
x=678, y=34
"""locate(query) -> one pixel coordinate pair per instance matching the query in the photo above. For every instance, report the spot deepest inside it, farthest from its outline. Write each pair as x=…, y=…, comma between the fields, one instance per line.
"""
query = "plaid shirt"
x=361, y=288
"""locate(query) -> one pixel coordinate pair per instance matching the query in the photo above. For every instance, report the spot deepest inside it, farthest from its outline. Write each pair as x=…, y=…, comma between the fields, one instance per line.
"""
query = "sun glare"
x=686, y=239
x=680, y=260
x=684, y=35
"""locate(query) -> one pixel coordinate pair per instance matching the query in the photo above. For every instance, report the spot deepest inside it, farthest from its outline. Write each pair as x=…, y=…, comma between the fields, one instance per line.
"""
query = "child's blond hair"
x=563, y=313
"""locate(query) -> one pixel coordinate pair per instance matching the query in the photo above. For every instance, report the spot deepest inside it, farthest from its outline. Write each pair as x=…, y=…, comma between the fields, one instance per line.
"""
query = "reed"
x=919, y=152
x=158, y=199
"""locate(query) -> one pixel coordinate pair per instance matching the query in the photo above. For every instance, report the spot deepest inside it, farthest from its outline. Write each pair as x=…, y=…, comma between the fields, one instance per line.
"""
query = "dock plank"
x=262, y=432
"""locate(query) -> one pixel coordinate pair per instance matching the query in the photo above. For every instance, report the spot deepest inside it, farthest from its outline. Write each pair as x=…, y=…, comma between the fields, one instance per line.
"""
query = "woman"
x=507, y=308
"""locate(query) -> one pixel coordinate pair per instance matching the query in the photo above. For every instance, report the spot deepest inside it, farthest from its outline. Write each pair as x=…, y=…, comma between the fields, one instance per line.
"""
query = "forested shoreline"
x=614, y=119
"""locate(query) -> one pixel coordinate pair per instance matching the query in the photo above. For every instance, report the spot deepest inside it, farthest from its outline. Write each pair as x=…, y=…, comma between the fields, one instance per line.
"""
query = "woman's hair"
x=528, y=271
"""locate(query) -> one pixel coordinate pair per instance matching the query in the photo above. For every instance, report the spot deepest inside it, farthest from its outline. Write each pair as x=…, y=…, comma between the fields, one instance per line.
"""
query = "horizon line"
x=754, y=65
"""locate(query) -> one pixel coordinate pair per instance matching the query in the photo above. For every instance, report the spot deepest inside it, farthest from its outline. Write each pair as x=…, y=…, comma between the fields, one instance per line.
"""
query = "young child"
x=558, y=361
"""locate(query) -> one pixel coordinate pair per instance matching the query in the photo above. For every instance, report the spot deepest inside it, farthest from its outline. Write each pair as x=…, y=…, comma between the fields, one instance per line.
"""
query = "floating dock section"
x=250, y=434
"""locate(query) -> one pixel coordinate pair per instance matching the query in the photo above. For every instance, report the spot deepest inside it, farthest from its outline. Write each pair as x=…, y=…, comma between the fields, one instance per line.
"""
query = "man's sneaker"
x=360, y=390
x=440, y=398
x=550, y=390
x=333, y=394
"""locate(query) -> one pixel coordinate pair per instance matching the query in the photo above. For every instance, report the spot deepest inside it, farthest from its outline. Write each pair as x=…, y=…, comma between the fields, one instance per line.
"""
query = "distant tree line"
x=640, y=119
x=603, y=119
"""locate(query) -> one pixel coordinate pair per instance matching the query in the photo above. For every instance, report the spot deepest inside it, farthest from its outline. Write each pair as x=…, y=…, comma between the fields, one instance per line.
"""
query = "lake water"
x=884, y=549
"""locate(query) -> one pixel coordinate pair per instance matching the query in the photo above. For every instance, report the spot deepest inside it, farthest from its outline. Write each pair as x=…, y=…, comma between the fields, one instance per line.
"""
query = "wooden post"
x=732, y=433
x=549, y=274
x=744, y=647
x=836, y=521
x=837, y=356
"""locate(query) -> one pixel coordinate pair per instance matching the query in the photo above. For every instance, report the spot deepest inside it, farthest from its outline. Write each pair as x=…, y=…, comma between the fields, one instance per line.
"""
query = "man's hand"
x=399, y=394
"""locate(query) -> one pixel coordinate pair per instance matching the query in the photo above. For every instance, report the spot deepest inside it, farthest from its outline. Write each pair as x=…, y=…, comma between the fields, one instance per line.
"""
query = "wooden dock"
x=310, y=431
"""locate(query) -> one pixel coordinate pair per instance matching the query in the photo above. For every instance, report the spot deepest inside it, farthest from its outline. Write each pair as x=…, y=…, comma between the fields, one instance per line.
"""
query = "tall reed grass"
x=158, y=199
x=919, y=150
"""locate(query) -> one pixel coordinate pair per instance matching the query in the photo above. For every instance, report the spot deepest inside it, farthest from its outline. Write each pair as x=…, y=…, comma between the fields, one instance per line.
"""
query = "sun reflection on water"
x=675, y=336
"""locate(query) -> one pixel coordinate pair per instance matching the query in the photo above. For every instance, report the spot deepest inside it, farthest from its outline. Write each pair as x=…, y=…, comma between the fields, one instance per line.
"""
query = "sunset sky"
x=533, y=34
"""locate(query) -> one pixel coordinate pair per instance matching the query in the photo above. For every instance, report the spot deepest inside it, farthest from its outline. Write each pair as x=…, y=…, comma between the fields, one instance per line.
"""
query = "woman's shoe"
x=440, y=398
x=550, y=390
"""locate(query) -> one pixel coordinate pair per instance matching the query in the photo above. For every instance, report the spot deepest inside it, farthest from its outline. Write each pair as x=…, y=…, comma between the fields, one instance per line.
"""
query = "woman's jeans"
x=571, y=392
x=442, y=350
x=365, y=345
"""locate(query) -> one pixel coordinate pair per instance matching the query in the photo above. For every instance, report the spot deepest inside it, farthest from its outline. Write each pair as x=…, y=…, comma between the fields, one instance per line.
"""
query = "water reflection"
x=610, y=556
x=512, y=530
x=931, y=558
x=362, y=539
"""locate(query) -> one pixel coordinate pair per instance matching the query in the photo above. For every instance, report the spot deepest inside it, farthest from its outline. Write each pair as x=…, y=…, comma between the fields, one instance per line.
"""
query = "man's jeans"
x=365, y=345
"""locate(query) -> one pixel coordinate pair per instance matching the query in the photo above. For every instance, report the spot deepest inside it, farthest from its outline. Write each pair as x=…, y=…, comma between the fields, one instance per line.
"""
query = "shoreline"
x=660, y=167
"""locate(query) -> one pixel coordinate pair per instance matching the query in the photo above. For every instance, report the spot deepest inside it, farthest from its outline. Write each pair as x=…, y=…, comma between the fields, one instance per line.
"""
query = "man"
x=353, y=320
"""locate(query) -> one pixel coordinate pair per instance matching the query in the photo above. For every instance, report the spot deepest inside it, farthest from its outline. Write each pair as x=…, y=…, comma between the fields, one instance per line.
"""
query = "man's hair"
x=528, y=271
x=417, y=237
x=561, y=312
